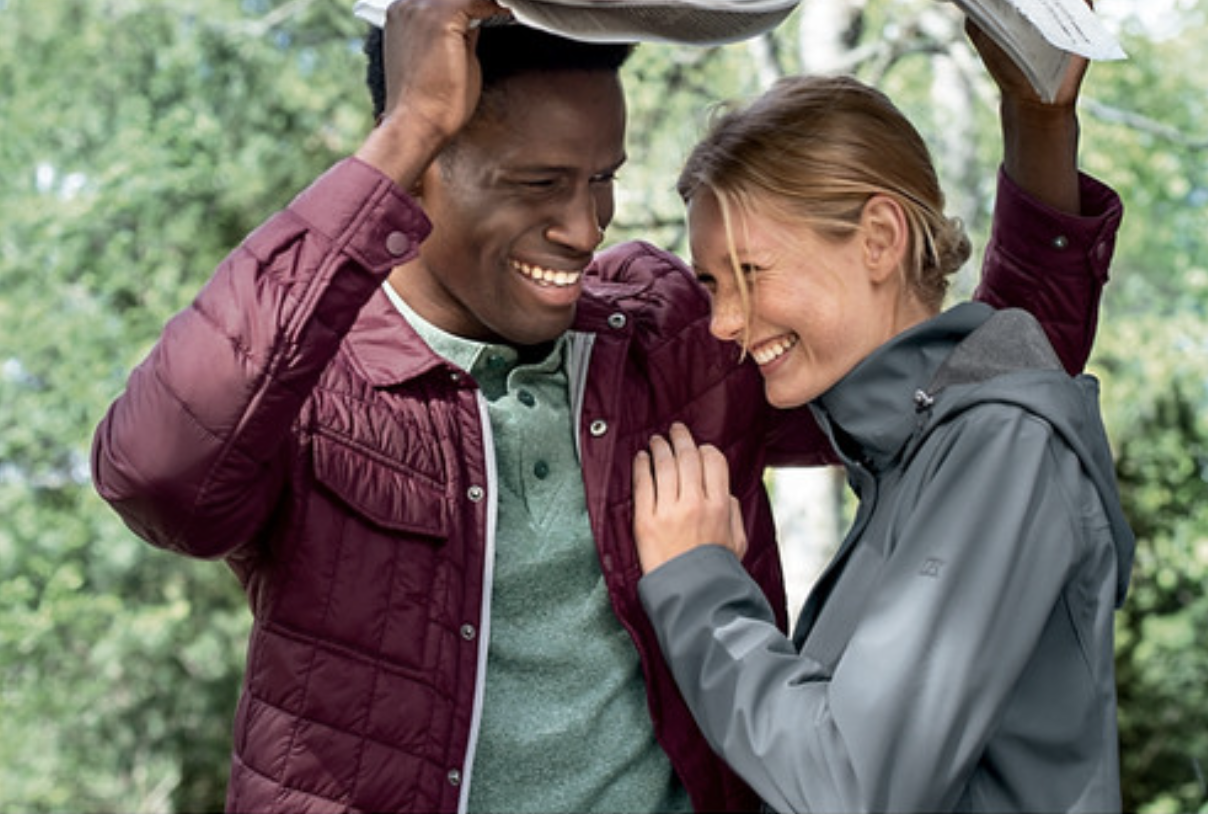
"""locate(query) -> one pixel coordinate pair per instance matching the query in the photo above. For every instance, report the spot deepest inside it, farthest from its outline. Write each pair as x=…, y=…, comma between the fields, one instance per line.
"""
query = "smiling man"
x=404, y=410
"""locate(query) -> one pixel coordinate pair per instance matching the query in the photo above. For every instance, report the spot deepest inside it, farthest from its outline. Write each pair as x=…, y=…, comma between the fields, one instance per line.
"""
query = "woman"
x=957, y=653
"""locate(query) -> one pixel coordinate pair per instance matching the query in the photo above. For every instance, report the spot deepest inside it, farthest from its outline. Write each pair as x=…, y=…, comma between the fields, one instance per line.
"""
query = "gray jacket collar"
x=870, y=413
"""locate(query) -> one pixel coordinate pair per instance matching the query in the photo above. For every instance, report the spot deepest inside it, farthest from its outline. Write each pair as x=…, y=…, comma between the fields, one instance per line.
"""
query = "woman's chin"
x=786, y=398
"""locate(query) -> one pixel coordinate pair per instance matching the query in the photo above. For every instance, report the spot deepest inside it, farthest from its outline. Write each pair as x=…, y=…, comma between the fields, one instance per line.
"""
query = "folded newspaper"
x=1041, y=35
x=692, y=22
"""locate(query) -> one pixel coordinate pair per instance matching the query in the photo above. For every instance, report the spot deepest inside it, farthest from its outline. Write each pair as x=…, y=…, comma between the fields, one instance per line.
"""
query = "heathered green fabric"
x=565, y=725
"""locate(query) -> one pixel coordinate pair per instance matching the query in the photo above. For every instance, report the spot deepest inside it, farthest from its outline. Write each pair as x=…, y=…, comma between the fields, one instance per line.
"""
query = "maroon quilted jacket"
x=290, y=422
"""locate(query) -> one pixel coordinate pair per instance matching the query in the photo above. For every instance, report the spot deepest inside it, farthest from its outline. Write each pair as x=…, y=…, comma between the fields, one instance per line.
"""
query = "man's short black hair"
x=505, y=51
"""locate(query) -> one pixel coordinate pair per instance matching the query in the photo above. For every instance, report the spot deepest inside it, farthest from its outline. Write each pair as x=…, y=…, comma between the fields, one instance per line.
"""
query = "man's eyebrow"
x=565, y=168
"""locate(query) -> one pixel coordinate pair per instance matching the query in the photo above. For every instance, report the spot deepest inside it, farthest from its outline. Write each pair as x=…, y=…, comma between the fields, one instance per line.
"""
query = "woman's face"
x=817, y=306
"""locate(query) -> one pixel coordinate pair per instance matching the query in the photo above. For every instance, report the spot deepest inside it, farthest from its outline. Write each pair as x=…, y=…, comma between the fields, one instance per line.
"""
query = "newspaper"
x=1041, y=35
x=693, y=22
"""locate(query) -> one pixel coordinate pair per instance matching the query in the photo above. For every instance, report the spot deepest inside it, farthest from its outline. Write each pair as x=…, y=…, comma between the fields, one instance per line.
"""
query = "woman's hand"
x=682, y=500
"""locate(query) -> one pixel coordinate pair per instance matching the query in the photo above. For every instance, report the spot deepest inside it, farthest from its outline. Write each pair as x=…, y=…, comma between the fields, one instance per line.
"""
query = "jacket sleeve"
x=1052, y=264
x=903, y=718
x=190, y=455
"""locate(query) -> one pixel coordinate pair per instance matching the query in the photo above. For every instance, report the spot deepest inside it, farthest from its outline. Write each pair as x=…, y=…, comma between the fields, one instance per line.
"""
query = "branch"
x=1143, y=124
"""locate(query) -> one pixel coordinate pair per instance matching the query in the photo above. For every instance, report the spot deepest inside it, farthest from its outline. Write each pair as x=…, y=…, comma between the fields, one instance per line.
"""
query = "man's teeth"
x=774, y=349
x=547, y=276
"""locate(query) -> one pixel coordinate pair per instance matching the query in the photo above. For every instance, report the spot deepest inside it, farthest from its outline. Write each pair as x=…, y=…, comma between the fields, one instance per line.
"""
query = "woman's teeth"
x=773, y=349
x=547, y=276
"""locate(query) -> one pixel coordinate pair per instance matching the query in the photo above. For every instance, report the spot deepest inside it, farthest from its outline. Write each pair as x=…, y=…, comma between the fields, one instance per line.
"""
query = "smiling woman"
x=983, y=472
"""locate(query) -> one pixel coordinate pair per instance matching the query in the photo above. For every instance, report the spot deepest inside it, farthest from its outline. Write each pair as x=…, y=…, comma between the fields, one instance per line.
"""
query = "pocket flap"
x=388, y=496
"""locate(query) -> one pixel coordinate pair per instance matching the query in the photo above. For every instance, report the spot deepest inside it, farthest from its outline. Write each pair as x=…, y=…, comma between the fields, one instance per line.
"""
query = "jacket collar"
x=870, y=413
x=389, y=352
x=385, y=347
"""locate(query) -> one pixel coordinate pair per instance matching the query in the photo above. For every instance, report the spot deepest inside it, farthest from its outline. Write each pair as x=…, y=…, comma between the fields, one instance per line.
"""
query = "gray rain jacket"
x=957, y=654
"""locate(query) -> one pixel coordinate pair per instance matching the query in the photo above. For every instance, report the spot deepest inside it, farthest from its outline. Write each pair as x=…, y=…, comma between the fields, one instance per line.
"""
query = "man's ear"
x=886, y=236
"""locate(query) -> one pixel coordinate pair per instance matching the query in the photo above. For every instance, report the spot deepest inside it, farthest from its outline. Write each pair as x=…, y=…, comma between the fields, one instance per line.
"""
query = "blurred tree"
x=141, y=141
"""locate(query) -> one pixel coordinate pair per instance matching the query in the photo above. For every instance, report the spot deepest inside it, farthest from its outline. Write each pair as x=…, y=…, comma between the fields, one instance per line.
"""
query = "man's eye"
x=604, y=178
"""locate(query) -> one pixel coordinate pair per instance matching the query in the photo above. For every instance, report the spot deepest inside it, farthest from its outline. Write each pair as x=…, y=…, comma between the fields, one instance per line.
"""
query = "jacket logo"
x=931, y=567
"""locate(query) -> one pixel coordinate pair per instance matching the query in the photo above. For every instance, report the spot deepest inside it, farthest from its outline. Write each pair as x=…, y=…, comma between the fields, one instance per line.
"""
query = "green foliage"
x=1156, y=371
x=141, y=141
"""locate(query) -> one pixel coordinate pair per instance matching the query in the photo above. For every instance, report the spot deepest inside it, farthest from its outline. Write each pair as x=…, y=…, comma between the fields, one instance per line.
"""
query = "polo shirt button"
x=1061, y=242
x=541, y=470
x=476, y=493
x=598, y=428
x=397, y=243
x=526, y=398
x=617, y=320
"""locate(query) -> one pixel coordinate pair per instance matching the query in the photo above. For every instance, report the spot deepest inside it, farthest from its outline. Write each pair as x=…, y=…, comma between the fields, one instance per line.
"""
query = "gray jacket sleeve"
x=900, y=722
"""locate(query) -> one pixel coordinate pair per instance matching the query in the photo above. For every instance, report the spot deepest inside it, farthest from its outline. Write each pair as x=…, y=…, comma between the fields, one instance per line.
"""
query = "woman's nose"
x=728, y=319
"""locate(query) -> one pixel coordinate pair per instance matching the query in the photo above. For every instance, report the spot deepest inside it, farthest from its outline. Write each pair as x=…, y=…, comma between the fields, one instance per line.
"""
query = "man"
x=404, y=410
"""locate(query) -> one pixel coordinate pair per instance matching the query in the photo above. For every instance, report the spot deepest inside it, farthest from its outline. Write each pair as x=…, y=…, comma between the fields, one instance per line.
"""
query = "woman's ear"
x=886, y=236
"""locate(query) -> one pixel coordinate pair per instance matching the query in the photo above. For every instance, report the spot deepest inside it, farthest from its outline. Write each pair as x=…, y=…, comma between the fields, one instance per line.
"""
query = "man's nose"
x=578, y=225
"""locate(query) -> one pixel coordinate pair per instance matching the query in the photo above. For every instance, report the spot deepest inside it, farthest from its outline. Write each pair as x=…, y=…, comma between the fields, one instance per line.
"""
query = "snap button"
x=468, y=632
x=617, y=320
x=397, y=243
x=1061, y=242
x=454, y=777
x=526, y=398
x=541, y=470
x=475, y=493
x=598, y=428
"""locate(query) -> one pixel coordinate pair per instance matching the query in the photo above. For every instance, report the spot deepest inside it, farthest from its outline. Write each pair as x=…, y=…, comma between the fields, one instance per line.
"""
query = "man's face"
x=518, y=207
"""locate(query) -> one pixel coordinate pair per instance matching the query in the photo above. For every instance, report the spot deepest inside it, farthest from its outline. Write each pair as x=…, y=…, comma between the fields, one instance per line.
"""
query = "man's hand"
x=682, y=500
x=1040, y=140
x=1011, y=81
x=433, y=82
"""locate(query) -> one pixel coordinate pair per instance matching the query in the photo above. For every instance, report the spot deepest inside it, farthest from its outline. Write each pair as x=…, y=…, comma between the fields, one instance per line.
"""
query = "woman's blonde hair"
x=812, y=151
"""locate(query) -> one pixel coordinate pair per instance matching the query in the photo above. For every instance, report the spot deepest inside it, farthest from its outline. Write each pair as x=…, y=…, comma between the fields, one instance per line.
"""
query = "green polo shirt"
x=565, y=726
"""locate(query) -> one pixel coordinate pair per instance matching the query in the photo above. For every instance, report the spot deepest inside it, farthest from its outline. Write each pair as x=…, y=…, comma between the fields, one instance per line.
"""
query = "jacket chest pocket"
x=386, y=495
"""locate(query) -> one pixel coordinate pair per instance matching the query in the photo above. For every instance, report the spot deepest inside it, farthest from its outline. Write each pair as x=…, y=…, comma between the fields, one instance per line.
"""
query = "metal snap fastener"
x=397, y=243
